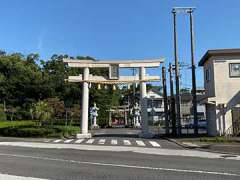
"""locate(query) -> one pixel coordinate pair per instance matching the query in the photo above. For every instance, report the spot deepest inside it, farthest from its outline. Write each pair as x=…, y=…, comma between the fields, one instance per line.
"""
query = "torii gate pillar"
x=143, y=100
x=85, y=103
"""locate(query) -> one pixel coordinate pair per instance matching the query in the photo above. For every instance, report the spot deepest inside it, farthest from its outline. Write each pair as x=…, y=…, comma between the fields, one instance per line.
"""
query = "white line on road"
x=68, y=140
x=58, y=140
x=154, y=144
x=114, y=142
x=102, y=141
x=13, y=177
x=79, y=141
x=127, y=142
x=140, y=143
x=123, y=165
x=90, y=141
x=135, y=149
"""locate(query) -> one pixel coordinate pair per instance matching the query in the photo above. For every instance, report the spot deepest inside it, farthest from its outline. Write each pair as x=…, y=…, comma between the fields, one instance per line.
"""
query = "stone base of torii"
x=86, y=78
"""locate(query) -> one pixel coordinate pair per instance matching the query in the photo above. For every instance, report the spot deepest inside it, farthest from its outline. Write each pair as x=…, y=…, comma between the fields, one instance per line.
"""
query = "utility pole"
x=165, y=100
x=134, y=87
x=172, y=102
x=179, y=127
x=194, y=94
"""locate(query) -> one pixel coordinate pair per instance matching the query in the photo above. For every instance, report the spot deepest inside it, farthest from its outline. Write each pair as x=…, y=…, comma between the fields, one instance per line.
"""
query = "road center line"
x=122, y=165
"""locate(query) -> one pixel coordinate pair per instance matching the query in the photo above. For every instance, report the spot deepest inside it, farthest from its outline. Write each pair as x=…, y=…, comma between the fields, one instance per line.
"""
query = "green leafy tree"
x=42, y=112
x=3, y=116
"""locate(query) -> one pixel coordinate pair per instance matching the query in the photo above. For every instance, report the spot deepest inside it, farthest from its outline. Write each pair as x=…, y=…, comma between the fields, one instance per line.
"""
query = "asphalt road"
x=68, y=164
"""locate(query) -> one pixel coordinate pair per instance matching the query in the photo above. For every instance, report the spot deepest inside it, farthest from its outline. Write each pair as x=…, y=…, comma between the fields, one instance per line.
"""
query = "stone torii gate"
x=114, y=78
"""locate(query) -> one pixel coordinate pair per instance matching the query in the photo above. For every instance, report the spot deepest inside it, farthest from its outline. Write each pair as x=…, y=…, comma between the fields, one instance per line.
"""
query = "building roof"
x=218, y=52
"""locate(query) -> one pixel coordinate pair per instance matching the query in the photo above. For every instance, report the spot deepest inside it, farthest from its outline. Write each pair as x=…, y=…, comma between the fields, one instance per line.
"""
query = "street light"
x=188, y=10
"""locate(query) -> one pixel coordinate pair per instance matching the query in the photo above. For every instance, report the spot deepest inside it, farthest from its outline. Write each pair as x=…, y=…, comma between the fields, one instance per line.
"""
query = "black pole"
x=179, y=127
x=172, y=103
x=194, y=94
x=134, y=89
x=165, y=100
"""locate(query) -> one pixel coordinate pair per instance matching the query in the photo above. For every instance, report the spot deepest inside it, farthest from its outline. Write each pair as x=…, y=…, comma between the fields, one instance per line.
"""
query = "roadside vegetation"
x=32, y=129
x=219, y=139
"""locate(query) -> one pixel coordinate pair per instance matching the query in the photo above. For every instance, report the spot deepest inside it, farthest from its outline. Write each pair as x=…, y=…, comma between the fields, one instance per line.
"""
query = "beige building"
x=222, y=90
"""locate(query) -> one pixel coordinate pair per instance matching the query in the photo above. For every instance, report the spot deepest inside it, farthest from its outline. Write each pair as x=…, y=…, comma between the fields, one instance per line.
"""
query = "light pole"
x=166, y=112
x=194, y=94
x=178, y=110
x=172, y=103
x=188, y=10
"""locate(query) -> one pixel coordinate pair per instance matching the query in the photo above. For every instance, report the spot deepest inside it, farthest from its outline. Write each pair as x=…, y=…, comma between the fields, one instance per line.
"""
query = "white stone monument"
x=136, y=116
x=94, y=115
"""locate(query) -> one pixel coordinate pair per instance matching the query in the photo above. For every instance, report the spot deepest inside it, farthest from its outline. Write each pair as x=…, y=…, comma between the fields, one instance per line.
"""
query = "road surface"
x=45, y=159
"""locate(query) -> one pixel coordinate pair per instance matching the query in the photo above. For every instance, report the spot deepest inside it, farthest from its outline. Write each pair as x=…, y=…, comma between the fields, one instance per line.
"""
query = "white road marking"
x=114, y=142
x=58, y=140
x=134, y=149
x=102, y=141
x=122, y=165
x=140, y=143
x=90, y=141
x=13, y=177
x=46, y=141
x=68, y=140
x=154, y=144
x=79, y=141
x=126, y=142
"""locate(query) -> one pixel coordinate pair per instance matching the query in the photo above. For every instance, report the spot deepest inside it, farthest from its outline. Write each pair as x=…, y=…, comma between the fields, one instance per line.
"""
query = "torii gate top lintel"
x=107, y=63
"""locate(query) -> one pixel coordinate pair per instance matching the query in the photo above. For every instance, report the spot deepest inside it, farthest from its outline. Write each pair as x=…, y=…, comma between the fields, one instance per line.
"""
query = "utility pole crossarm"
x=183, y=9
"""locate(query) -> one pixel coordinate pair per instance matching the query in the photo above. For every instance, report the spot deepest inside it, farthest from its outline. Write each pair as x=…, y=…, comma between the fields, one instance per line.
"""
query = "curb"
x=199, y=148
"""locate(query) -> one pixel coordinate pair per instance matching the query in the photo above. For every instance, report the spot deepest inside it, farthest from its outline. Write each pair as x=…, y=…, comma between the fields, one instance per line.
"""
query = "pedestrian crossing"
x=113, y=142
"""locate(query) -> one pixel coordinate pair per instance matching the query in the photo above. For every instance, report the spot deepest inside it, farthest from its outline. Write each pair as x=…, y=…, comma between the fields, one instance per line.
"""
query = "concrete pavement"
x=111, y=156
x=62, y=164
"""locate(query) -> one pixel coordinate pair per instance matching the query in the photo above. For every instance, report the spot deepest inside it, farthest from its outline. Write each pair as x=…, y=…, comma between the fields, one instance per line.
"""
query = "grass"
x=30, y=129
x=219, y=139
x=5, y=124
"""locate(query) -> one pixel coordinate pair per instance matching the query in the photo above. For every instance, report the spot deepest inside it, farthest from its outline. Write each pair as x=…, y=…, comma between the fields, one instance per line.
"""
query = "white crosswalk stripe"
x=90, y=141
x=154, y=144
x=79, y=141
x=126, y=142
x=58, y=140
x=68, y=140
x=140, y=143
x=114, y=142
x=102, y=141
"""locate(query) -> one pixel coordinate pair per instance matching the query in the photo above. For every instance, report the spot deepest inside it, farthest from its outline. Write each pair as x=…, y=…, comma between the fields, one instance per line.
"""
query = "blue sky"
x=117, y=29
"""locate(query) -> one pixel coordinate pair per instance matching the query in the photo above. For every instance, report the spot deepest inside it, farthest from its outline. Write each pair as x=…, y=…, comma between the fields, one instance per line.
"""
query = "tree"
x=57, y=106
x=3, y=116
x=42, y=112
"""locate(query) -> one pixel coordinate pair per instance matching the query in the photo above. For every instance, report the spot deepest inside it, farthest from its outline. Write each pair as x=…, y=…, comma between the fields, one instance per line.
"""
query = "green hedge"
x=29, y=129
x=3, y=116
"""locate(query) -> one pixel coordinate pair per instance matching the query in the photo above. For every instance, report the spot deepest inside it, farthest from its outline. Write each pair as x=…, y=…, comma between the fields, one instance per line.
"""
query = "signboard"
x=114, y=71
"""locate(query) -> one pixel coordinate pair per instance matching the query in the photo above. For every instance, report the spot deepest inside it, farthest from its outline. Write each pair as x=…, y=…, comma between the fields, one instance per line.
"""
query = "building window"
x=207, y=75
x=234, y=69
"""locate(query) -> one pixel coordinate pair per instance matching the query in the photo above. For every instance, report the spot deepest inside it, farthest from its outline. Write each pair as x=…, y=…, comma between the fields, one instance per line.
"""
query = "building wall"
x=209, y=84
x=211, y=120
x=224, y=88
x=227, y=89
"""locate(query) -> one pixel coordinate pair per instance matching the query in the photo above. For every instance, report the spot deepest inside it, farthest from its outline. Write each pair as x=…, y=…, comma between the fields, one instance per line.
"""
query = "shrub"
x=3, y=116
x=30, y=129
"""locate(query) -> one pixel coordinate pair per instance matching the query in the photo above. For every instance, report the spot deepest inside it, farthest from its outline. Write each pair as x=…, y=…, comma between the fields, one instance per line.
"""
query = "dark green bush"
x=3, y=116
x=30, y=129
